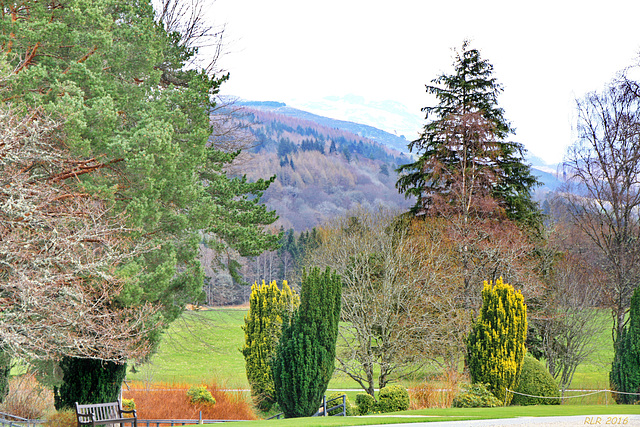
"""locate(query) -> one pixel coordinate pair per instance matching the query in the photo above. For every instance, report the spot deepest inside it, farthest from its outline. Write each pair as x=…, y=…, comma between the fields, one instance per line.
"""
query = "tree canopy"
x=115, y=77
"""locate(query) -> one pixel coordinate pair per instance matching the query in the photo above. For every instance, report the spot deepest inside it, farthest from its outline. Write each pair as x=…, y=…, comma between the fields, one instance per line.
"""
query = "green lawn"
x=459, y=414
x=204, y=346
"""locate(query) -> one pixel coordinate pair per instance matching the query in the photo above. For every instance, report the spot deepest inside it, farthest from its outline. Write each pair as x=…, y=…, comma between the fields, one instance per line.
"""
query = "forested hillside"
x=320, y=171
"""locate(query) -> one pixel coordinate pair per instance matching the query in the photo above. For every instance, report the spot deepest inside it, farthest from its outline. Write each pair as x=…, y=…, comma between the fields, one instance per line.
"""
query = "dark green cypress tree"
x=5, y=369
x=625, y=371
x=306, y=353
x=88, y=381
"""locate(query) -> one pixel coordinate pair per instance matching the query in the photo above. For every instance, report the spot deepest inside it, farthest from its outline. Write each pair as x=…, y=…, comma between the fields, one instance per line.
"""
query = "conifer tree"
x=625, y=371
x=466, y=136
x=269, y=309
x=306, y=353
x=495, y=348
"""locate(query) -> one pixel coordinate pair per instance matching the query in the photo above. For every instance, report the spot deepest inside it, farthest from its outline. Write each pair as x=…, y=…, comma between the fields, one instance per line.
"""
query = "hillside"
x=321, y=171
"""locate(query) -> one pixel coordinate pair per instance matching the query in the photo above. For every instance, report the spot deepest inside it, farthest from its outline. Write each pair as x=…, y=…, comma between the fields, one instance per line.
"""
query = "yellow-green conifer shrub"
x=269, y=308
x=495, y=347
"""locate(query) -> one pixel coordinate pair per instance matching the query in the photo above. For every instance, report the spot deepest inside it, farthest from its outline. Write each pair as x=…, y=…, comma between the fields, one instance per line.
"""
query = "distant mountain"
x=326, y=166
x=322, y=168
x=396, y=142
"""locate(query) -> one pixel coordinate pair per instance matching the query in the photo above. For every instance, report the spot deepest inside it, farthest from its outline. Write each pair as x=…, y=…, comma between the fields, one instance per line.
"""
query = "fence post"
x=200, y=422
x=344, y=405
x=324, y=406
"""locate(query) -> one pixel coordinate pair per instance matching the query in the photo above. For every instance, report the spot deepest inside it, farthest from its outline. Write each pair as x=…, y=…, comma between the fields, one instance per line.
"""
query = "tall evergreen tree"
x=306, y=353
x=118, y=80
x=269, y=309
x=464, y=139
x=625, y=371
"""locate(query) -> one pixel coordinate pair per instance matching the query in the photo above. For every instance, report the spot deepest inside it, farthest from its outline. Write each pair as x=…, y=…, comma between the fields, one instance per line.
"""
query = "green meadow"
x=205, y=345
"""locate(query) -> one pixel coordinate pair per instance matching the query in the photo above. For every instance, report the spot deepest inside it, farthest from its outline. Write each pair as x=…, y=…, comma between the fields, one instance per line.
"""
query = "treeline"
x=286, y=135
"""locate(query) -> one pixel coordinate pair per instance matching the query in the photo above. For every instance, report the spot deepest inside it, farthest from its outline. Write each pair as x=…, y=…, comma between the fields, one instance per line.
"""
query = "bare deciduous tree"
x=398, y=308
x=59, y=253
x=603, y=170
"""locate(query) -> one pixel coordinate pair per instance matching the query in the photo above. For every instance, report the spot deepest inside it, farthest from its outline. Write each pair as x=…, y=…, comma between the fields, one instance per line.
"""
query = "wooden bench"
x=104, y=413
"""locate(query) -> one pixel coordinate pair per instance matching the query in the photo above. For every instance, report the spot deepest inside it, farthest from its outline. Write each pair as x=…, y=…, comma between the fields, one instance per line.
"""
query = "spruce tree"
x=495, y=347
x=269, y=309
x=306, y=353
x=466, y=133
x=625, y=370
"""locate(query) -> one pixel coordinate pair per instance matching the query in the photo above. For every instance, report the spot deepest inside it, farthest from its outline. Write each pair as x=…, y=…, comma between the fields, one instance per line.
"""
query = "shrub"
x=200, y=394
x=392, y=398
x=63, y=418
x=27, y=398
x=306, y=352
x=475, y=396
x=268, y=308
x=365, y=403
x=625, y=370
x=336, y=395
x=128, y=404
x=88, y=381
x=495, y=347
x=536, y=381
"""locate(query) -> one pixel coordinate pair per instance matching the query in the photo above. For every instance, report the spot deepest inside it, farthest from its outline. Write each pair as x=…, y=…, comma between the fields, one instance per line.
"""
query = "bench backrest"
x=101, y=411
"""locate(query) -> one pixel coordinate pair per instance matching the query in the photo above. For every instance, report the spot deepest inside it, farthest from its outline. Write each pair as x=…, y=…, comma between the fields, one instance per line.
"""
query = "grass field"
x=205, y=345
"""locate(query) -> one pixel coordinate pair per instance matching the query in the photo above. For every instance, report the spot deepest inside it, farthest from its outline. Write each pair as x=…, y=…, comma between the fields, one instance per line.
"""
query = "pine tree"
x=625, y=370
x=495, y=347
x=130, y=105
x=269, y=309
x=465, y=136
x=306, y=353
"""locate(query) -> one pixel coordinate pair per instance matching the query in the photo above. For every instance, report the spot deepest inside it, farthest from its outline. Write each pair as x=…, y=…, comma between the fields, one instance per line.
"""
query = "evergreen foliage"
x=88, y=381
x=393, y=398
x=625, y=370
x=5, y=370
x=495, y=347
x=116, y=78
x=118, y=81
x=475, y=396
x=306, y=353
x=365, y=403
x=471, y=92
x=535, y=380
x=269, y=309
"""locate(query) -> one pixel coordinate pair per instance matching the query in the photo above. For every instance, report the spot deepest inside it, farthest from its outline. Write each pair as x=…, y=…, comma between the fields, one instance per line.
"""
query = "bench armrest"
x=129, y=411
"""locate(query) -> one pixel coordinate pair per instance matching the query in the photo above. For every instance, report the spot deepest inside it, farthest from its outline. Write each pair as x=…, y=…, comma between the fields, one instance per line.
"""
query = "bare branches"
x=59, y=253
x=188, y=19
x=603, y=167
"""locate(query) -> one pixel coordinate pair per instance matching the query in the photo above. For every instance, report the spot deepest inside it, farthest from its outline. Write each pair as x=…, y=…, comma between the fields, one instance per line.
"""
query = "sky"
x=545, y=53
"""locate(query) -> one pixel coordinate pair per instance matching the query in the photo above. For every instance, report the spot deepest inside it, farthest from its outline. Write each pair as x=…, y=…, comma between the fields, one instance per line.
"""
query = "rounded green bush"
x=475, y=396
x=364, y=403
x=393, y=398
x=536, y=381
x=336, y=395
x=200, y=394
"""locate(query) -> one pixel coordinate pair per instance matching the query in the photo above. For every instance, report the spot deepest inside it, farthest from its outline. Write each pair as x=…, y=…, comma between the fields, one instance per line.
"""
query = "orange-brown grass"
x=27, y=398
x=161, y=401
x=435, y=394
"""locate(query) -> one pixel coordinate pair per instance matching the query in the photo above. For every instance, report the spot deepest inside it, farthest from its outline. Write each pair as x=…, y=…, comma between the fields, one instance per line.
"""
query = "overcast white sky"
x=545, y=53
